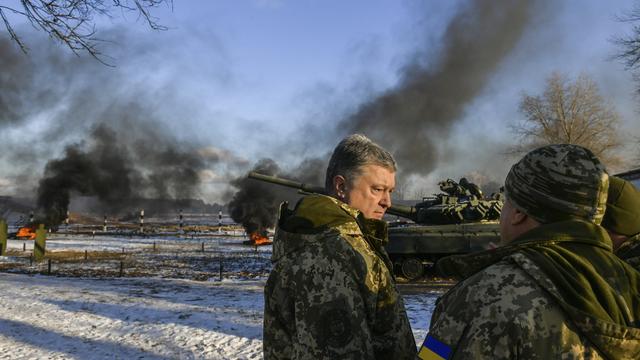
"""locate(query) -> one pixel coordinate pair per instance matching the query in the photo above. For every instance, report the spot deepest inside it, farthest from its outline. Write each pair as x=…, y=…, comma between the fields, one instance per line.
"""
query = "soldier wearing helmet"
x=554, y=289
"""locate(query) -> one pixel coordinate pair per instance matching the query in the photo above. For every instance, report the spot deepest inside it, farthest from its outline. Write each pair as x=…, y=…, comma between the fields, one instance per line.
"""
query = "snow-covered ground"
x=59, y=317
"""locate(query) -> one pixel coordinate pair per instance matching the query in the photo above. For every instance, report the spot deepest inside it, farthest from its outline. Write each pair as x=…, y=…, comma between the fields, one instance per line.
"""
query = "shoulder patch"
x=434, y=349
x=336, y=327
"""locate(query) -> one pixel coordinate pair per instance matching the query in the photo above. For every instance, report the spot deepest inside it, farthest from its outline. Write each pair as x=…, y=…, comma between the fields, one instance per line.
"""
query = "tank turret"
x=458, y=203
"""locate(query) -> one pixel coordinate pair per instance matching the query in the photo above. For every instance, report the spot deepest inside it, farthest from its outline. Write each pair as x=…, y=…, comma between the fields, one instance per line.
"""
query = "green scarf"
x=318, y=213
x=577, y=257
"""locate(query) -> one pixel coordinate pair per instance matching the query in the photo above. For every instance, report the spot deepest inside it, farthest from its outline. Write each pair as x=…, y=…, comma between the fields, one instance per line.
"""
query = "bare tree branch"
x=72, y=21
x=630, y=44
x=569, y=112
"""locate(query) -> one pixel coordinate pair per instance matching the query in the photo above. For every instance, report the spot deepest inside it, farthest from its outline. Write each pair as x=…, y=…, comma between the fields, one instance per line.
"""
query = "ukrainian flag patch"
x=434, y=349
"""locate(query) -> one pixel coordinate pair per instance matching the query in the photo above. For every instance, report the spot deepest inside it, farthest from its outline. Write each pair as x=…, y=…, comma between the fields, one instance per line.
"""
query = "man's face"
x=371, y=191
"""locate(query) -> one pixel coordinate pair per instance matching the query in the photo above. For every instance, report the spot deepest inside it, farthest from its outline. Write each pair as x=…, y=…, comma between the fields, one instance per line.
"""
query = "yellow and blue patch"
x=434, y=349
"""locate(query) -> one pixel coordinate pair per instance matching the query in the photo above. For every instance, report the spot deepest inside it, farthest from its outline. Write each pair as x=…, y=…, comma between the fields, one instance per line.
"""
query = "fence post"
x=39, y=245
x=202, y=246
x=86, y=254
x=49, y=267
x=121, y=268
x=3, y=237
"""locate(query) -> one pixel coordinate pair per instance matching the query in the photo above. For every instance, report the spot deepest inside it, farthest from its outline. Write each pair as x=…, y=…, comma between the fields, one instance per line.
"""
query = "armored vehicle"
x=458, y=220
x=631, y=175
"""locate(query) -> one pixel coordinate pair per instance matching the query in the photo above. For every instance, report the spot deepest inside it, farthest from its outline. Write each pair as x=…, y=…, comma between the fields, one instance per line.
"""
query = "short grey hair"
x=351, y=154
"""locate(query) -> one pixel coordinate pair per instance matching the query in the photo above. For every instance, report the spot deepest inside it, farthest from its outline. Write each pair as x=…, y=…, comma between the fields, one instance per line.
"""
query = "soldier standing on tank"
x=554, y=289
x=622, y=220
x=331, y=293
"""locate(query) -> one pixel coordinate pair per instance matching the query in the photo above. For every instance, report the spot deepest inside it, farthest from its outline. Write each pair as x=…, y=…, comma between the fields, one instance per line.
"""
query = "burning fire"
x=257, y=238
x=26, y=232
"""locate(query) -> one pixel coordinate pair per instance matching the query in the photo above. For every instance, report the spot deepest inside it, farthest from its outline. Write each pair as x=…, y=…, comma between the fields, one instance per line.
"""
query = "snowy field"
x=167, y=316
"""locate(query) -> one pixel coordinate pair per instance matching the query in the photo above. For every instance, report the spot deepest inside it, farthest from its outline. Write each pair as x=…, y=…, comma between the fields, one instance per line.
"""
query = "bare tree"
x=570, y=112
x=72, y=22
x=629, y=52
x=629, y=45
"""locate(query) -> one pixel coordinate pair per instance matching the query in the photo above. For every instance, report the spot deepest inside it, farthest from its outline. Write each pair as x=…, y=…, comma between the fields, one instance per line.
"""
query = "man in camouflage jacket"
x=554, y=290
x=331, y=292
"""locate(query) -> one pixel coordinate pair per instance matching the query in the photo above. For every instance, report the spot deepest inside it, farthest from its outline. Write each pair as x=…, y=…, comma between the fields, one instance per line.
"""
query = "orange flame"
x=258, y=239
x=26, y=232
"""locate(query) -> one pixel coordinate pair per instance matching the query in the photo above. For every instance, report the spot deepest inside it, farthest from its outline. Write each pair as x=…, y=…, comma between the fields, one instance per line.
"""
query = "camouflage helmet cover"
x=559, y=182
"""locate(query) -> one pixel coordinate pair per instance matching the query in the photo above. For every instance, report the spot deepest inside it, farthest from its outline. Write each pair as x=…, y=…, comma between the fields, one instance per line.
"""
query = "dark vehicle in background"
x=414, y=247
x=631, y=175
x=457, y=221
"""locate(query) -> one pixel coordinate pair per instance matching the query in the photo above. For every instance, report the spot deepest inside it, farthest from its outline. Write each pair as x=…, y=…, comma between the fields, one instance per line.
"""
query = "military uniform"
x=558, y=292
x=331, y=293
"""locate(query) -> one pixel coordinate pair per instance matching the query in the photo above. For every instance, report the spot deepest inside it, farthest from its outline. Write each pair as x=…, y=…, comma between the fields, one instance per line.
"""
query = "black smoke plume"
x=130, y=154
x=412, y=117
x=255, y=203
x=119, y=170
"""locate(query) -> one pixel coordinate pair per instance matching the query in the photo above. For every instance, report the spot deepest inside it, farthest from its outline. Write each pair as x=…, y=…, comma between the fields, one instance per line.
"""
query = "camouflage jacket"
x=566, y=297
x=331, y=293
x=629, y=251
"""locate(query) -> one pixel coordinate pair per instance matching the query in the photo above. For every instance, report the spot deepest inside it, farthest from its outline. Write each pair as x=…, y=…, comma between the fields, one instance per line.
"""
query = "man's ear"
x=518, y=217
x=340, y=186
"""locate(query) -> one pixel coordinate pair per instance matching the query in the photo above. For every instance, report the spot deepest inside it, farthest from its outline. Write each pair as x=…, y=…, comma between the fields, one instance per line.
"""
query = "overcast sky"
x=245, y=80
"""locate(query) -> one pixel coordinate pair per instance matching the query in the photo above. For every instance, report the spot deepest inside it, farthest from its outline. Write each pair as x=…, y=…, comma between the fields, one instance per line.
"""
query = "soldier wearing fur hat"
x=622, y=220
x=554, y=289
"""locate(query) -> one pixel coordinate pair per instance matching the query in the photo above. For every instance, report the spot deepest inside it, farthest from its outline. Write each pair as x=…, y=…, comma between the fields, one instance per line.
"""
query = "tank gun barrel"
x=408, y=212
x=288, y=183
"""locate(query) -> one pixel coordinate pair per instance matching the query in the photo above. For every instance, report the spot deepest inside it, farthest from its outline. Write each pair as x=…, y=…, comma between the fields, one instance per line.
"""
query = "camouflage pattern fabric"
x=566, y=298
x=559, y=182
x=331, y=293
x=629, y=251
